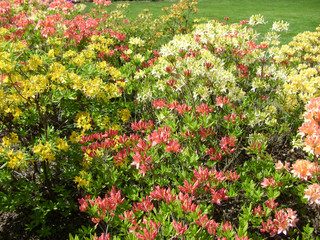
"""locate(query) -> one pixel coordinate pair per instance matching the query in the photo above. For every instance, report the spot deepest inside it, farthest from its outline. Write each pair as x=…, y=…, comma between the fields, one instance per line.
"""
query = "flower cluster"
x=283, y=220
x=102, y=207
x=310, y=129
x=303, y=81
x=312, y=193
x=303, y=169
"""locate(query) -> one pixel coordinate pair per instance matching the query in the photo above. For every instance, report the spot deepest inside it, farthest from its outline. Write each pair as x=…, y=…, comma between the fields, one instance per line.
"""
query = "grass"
x=302, y=15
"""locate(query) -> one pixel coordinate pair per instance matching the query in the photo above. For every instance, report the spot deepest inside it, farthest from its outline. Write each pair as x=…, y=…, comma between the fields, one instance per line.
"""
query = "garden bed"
x=155, y=128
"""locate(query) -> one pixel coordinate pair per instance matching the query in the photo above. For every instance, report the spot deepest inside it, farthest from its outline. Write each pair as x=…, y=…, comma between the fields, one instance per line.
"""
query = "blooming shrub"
x=62, y=68
x=154, y=128
x=301, y=58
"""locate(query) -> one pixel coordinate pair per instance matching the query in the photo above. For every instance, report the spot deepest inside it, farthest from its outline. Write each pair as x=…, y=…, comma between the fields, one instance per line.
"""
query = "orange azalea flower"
x=303, y=169
x=313, y=194
x=313, y=109
x=312, y=144
x=310, y=127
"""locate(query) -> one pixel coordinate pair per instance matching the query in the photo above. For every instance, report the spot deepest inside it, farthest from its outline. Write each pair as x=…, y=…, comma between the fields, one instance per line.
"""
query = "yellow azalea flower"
x=125, y=115
x=51, y=53
x=62, y=145
x=75, y=137
x=13, y=163
x=115, y=127
x=6, y=141
x=69, y=54
x=136, y=41
x=104, y=122
x=4, y=31
x=82, y=179
x=15, y=159
x=44, y=151
x=79, y=60
x=83, y=120
x=115, y=73
x=87, y=160
x=34, y=62
x=9, y=141
x=17, y=113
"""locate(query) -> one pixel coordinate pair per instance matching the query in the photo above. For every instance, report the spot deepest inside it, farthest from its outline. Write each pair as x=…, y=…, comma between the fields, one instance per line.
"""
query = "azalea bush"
x=155, y=129
x=54, y=80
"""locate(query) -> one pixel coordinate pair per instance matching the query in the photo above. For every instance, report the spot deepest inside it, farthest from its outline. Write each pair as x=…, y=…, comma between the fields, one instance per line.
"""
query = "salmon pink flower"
x=226, y=226
x=102, y=237
x=183, y=108
x=102, y=2
x=156, y=53
x=214, y=155
x=204, y=109
x=212, y=226
x=83, y=203
x=173, y=105
x=221, y=101
x=173, y=146
x=313, y=110
x=242, y=238
x=187, y=205
x=284, y=219
x=179, y=227
x=309, y=127
x=258, y=210
x=270, y=203
x=162, y=193
x=312, y=144
x=141, y=125
x=121, y=156
x=303, y=169
x=151, y=233
x=205, y=132
x=227, y=144
x=145, y=206
x=219, y=195
x=269, y=182
x=160, y=136
x=171, y=82
x=312, y=193
x=202, y=220
x=232, y=175
x=263, y=46
x=158, y=104
x=128, y=215
x=188, y=134
x=140, y=161
x=188, y=187
x=280, y=166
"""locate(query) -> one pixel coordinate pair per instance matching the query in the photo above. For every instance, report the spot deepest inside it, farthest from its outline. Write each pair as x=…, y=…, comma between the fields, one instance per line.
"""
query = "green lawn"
x=303, y=15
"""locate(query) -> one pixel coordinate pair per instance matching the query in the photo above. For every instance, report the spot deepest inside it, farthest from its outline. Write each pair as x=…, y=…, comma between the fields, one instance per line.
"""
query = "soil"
x=12, y=225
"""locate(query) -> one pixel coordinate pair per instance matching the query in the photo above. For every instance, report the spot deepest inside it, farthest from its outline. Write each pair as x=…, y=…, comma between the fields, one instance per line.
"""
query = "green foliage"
x=152, y=127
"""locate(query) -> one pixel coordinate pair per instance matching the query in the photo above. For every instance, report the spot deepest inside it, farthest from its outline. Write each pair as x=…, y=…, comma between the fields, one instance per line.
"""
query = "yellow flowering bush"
x=60, y=80
x=301, y=59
